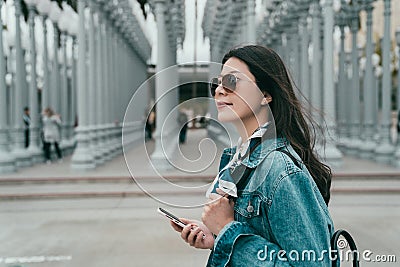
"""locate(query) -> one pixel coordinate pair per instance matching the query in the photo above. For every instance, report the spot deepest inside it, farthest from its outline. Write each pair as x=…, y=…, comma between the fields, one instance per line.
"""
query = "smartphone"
x=171, y=217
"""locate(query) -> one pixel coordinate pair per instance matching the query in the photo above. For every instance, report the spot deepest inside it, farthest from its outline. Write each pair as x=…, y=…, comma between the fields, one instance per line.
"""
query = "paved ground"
x=127, y=231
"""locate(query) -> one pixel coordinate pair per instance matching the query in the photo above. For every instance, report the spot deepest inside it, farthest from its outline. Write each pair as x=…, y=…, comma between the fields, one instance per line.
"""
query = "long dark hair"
x=291, y=119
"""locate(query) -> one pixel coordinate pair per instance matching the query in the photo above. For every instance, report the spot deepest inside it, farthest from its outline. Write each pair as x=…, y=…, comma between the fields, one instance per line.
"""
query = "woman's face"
x=245, y=101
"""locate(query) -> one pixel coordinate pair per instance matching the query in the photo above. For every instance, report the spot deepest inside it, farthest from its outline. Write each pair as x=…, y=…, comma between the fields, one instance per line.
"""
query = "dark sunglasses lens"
x=213, y=85
x=229, y=82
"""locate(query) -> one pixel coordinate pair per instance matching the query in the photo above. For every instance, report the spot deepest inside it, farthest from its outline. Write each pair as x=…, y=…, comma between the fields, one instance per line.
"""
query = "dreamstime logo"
x=324, y=255
x=166, y=157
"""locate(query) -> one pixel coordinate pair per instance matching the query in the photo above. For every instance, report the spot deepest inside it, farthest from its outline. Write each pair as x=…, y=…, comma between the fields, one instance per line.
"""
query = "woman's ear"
x=266, y=100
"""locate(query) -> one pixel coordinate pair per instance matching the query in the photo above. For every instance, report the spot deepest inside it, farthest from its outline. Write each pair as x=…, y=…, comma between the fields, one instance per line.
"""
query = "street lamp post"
x=355, y=142
x=73, y=32
x=54, y=16
x=398, y=67
x=35, y=151
x=62, y=23
x=20, y=154
x=342, y=120
x=385, y=150
x=92, y=79
x=101, y=152
x=368, y=146
x=6, y=159
x=332, y=154
x=43, y=6
x=82, y=158
x=397, y=153
x=316, y=60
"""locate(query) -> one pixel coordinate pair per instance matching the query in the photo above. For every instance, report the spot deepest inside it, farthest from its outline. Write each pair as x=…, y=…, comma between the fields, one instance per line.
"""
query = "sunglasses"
x=228, y=82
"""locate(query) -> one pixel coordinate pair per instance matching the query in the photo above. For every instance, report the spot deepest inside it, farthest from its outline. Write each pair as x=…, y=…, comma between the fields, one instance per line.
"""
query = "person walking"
x=51, y=133
x=183, y=126
x=27, y=122
x=268, y=204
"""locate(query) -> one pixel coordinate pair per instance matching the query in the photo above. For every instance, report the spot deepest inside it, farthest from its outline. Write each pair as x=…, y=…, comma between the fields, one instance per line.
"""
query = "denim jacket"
x=281, y=218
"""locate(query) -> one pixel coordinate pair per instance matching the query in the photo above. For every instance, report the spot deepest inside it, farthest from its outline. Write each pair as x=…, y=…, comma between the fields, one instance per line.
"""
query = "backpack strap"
x=295, y=161
x=335, y=246
x=244, y=180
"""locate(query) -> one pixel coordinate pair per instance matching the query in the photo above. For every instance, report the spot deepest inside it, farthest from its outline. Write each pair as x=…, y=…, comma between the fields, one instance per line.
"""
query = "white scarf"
x=224, y=180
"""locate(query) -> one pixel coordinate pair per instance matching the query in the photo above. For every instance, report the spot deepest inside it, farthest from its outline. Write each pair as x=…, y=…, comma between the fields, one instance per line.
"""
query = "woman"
x=275, y=213
x=51, y=133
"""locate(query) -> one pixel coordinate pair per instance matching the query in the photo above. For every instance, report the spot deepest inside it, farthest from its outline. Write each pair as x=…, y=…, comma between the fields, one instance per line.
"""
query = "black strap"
x=295, y=161
x=335, y=247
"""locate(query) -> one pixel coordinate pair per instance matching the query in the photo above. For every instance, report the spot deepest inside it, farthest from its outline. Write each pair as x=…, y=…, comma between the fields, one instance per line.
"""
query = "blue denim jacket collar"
x=258, y=155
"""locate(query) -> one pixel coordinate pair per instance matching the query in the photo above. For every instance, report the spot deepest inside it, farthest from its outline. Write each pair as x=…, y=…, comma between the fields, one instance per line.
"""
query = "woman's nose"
x=220, y=90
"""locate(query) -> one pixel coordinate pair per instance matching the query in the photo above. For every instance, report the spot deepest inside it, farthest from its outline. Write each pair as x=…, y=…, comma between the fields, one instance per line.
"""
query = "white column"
x=6, y=158
x=100, y=89
x=342, y=88
x=92, y=71
x=316, y=61
x=46, y=76
x=162, y=109
x=397, y=153
x=82, y=158
x=64, y=94
x=56, y=84
x=251, y=21
x=332, y=155
x=355, y=142
x=34, y=151
x=368, y=146
x=19, y=151
x=73, y=90
x=106, y=110
x=385, y=149
x=304, y=70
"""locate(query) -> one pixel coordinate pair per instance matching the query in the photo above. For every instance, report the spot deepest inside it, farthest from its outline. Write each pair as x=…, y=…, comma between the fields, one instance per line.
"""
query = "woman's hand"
x=218, y=213
x=195, y=234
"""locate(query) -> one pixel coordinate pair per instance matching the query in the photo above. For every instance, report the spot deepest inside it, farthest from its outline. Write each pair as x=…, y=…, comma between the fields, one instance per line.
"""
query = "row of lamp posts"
x=356, y=128
x=82, y=81
x=12, y=127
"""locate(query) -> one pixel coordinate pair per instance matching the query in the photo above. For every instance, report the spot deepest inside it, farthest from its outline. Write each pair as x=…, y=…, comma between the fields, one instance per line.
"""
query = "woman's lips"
x=222, y=104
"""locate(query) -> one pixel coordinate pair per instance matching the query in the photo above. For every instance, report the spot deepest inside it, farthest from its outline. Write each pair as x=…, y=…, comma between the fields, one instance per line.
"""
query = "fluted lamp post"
x=73, y=32
x=385, y=150
x=19, y=151
x=397, y=153
x=398, y=67
x=54, y=16
x=62, y=23
x=6, y=158
x=82, y=158
x=33, y=148
x=43, y=7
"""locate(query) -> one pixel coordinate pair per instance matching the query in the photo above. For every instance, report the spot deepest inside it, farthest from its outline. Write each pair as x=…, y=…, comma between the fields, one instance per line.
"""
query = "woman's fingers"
x=193, y=236
x=185, y=232
x=222, y=193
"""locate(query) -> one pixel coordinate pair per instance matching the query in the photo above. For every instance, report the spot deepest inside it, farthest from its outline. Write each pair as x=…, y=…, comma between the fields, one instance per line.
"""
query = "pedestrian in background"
x=150, y=125
x=27, y=122
x=183, y=125
x=51, y=133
